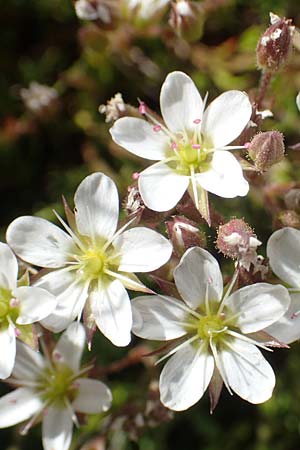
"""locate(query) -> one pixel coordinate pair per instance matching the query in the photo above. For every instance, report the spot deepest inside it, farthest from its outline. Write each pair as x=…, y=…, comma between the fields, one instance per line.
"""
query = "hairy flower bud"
x=237, y=240
x=266, y=149
x=292, y=199
x=187, y=19
x=275, y=44
x=287, y=218
x=184, y=234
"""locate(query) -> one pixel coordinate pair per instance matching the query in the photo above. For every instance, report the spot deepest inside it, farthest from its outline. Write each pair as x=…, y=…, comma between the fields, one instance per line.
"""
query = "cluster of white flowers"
x=215, y=333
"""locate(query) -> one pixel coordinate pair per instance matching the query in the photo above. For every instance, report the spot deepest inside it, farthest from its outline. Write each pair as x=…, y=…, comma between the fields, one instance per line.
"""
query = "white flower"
x=38, y=96
x=145, y=9
x=19, y=306
x=192, y=146
x=52, y=390
x=283, y=251
x=94, y=262
x=217, y=336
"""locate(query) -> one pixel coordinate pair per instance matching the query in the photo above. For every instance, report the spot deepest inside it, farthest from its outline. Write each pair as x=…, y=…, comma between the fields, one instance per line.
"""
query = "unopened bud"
x=184, y=234
x=266, y=149
x=187, y=19
x=114, y=108
x=275, y=44
x=237, y=240
x=292, y=199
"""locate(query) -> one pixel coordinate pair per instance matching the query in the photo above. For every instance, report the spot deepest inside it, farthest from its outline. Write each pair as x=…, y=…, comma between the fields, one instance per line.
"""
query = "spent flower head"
x=92, y=262
x=191, y=146
x=216, y=333
x=52, y=389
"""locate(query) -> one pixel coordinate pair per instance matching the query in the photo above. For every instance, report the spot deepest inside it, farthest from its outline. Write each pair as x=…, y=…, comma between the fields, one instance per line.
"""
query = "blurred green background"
x=44, y=155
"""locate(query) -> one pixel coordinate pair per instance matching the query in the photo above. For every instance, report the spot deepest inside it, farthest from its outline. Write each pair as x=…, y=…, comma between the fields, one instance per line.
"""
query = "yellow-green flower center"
x=57, y=385
x=9, y=307
x=96, y=261
x=191, y=157
x=210, y=327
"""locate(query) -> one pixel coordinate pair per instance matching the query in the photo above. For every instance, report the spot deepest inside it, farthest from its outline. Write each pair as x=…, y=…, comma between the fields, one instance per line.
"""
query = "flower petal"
x=93, y=396
x=287, y=328
x=158, y=317
x=40, y=242
x=8, y=351
x=97, y=207
x=111, y=308
x=283, y=251
x=18, y=406
x=180, y=103
x=35, y=304
x=138, y=137
x=8, y=268
x=248, y=373
x=225, y=118
x=258, y=305
x=70, y=346
x=29, y=363
x=161, y=187
x=198, y=276
x=142, y=250
x=70, y=301
x=57, y=429
x=185, y=378
x=225, y=177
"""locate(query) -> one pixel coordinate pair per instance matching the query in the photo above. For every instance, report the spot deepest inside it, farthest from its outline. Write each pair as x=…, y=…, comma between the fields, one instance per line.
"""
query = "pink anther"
x=142, y=108
x=247, y=144
x=173, y=146
x=157, y=128
x=14, y=303
x=57, y=356
x=135, y=176
x=17, y=332
x=197, y=121
x=196, y=146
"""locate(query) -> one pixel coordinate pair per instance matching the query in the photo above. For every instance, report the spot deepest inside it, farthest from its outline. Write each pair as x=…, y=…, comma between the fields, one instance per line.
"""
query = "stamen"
x=14, y=303
x=249, y=340
x=175, y=349
x=197, y=121
x=196, y=146
x=247, y=144
x=174, y=146
x=157, y=128
x=142, y=108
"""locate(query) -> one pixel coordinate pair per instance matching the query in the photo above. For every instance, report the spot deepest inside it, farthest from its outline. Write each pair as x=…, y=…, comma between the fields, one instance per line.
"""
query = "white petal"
x=198, y=275
x=225, y=118
x=93, y=397
x=185, y=378
x=287, y=328
x=97, y=207
x=57, y=429
x=40, y=242
x=283, y=251
x=158, y=317
x=35, y=304
x=29, y=363
x=138, y=137
x=142, y=250
x=8, y=268
x=161, y=187
x=258, y=305
x=70, y=304
x=69, y=348
x=8, y=351
x=111, y=308
x=225, y=177
x=248, y=373
x=180, y=102
x=18, y=406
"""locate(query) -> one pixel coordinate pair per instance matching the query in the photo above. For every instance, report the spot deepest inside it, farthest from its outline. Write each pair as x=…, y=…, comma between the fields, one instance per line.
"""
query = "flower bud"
x=187, y=19
x=275, y=44
x=292, y=199
x=287, y=218
x=184, y=234
x=266, y=149
x=40, y=99
x=237, y=240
